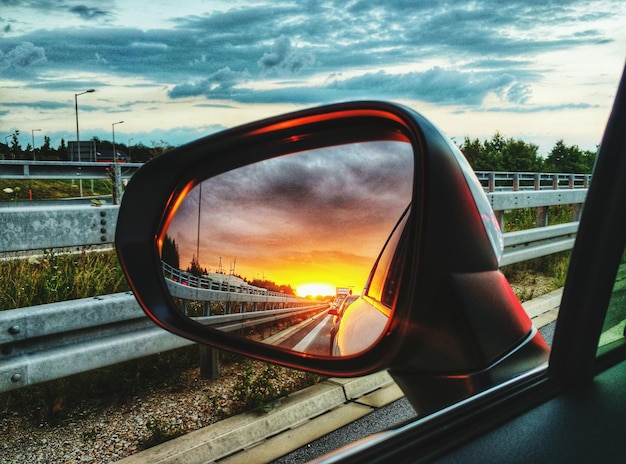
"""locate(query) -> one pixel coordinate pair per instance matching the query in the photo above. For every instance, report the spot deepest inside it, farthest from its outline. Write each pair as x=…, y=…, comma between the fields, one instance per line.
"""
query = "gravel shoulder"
x=90, y=433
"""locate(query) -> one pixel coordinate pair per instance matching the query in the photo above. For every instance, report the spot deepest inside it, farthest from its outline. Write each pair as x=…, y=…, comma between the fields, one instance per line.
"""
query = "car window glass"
x=615, y=321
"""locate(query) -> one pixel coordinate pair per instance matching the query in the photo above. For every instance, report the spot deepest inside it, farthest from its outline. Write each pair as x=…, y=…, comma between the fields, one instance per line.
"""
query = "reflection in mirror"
x=270, y=251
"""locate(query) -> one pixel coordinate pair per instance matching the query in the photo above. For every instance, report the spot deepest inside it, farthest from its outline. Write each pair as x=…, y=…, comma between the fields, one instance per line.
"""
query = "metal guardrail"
x=73, y=170
x=185, y=285
x=493, y=181
x=45, y=342
x=41, y=227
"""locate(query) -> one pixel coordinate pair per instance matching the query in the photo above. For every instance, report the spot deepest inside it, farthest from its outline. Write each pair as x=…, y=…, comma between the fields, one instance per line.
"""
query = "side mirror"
x=240, y=240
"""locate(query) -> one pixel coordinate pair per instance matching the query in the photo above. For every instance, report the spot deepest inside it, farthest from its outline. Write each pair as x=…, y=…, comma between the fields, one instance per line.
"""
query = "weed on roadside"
x=160, y=431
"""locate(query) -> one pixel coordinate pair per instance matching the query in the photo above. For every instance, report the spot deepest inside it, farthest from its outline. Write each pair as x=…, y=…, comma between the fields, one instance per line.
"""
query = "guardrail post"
x=117, y=183
x=209, y=362
x=491, y=181
x=516, y=182
x=576, y=211
x=537, y=179
x=542, y=216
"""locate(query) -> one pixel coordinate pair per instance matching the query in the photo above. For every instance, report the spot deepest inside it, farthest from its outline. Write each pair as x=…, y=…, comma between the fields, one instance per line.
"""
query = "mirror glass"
x=270, y=251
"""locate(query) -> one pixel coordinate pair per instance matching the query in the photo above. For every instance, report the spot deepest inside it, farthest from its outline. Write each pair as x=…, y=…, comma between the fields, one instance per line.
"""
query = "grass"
x=54, y=277
x=50, y=189
x=526, y=218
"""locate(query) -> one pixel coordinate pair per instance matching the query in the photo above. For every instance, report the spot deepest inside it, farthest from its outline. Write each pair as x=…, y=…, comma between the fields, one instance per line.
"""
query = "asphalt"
x=300, y=418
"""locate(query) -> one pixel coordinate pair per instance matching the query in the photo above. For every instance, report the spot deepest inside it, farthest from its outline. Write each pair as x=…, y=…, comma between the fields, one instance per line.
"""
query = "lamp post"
x=113, y=130
x=117, y=181
x=32, y=133
x=76, y=108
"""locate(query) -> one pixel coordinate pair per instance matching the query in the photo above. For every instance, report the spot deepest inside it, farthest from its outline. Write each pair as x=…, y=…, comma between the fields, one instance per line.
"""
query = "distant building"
x=87, y=151
x=5, y=151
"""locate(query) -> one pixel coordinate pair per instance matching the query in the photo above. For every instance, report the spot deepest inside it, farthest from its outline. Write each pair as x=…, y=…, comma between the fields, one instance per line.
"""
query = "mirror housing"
x=454, y=314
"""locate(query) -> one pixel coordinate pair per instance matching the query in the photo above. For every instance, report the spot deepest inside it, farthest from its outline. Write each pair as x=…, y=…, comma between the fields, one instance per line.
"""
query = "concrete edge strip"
x=235, y=433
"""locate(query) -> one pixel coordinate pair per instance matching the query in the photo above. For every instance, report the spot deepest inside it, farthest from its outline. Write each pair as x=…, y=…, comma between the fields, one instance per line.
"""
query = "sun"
x=315, y=289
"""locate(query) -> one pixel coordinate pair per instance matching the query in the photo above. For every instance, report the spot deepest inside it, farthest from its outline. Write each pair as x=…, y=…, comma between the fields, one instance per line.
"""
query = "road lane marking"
x=303, y=345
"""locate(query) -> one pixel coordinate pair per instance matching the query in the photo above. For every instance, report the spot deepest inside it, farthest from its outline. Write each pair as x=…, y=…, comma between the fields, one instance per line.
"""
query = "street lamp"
x=32, y=133
x=113, y=130
x=76, y=107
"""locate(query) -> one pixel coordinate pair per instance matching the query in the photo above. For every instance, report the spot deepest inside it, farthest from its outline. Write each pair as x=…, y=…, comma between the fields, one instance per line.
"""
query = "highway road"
x=312, y=336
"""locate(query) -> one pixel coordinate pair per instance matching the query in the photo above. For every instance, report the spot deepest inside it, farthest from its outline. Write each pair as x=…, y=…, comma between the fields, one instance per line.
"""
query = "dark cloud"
x=285, y=57
x=42, y=105
x=331, y=183
x=302, y=206
x=434, y=85
x=21, y=57
x=481, y=48
x=89, y=13
x=537, y=109
x=219, y=85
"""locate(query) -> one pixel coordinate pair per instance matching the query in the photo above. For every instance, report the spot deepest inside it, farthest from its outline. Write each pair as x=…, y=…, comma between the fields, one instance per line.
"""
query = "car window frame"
x=594, y=262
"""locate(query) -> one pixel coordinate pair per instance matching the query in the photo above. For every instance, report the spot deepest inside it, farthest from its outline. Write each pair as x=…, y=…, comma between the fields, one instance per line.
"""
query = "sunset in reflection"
x=310, y=221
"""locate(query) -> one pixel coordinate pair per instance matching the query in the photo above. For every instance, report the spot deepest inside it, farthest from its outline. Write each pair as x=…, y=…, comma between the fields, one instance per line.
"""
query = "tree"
x=500, y=154
x=160, y=147
x=195, y=269
x=62, y=150
x=494, y=151
x=273, y=286
x=476, y=155
x=520, y=156
x=46, y=149
x=16, y=148
x=169, y=253
x=569, y=159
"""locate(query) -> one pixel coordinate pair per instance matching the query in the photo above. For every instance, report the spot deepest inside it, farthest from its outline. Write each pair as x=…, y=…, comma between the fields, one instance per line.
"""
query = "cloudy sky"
x=330, y=213
x=533, y=69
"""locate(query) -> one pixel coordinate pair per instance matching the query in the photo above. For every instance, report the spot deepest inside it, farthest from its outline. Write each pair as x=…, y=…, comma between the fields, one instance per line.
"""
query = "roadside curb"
x=239, y=432
x=545, y=308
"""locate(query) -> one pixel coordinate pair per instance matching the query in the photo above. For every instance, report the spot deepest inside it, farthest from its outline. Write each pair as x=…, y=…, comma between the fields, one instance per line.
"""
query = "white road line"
x=306, y=341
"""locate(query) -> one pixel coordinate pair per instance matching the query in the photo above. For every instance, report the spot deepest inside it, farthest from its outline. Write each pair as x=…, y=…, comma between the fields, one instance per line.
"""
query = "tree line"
x=139, y=152
x=495, y=154
x=515, y=155
x=171, y=256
